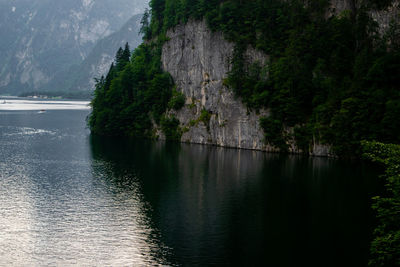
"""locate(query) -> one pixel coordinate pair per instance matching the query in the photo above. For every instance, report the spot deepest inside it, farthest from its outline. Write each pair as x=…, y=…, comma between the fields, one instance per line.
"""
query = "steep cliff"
x=296, y=76
x=199, y=61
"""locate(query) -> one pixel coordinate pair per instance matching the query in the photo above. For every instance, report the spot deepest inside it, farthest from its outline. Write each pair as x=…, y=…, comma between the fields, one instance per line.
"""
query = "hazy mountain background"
x=98, y=61
x=48, y=45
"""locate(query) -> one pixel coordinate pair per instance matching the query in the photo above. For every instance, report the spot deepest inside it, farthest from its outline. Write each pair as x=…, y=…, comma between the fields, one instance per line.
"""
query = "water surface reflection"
x=60, y=207
x=227, y=207
x=66, y=198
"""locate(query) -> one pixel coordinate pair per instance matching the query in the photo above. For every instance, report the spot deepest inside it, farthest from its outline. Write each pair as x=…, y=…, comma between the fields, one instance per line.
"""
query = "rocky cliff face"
x=384, y=18
x=198, y=61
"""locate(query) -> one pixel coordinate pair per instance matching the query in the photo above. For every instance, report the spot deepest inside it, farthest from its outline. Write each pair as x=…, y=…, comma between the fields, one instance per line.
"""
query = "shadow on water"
x=235, y=207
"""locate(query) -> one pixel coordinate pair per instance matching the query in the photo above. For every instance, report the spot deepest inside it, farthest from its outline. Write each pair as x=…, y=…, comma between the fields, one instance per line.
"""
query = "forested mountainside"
x=299, y=76
x=43, y=41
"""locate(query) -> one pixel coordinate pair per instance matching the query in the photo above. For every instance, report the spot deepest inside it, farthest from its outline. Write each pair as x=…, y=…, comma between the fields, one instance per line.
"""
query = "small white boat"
x=42, y=111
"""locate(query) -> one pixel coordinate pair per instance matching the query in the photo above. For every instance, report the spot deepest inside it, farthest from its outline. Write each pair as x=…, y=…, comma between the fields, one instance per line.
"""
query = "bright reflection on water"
x=60, y=207
x=28, y=104
x=66, y=198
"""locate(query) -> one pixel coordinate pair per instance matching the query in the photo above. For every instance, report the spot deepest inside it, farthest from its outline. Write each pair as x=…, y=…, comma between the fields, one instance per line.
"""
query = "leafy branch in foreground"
x=385, y=248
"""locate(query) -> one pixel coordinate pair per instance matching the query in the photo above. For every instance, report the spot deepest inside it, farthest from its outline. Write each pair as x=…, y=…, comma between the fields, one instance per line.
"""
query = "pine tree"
x=119, y=57
x=122, y=57
x=145, y=25
x=126, y=55
x=110, y=76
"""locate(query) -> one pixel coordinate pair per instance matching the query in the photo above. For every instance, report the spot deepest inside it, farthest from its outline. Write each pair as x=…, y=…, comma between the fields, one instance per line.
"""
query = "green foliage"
x=134, y=92
x=170, y=127
x=122, y=57
x=303, y=137
x=273, y=130
x=177, y=100
x=205, y=117
x=193, y=123
x=385, y=248
x=145, y=25
x=335, y=75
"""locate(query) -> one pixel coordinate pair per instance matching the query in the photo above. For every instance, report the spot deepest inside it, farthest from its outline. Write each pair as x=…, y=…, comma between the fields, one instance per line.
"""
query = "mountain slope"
x=298, y=76
x=42, y=39
x=102, y=55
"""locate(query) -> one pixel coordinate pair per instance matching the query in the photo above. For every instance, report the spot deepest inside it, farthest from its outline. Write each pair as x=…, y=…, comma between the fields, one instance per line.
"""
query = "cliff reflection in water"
x=212, y=205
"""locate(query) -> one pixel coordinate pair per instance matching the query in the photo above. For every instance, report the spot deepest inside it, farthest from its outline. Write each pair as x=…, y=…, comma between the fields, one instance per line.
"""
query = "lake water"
x=69, y=198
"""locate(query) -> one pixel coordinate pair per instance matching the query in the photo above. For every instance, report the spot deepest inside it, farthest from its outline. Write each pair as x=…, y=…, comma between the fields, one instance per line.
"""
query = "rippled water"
x=29, y=104
x=68, y=198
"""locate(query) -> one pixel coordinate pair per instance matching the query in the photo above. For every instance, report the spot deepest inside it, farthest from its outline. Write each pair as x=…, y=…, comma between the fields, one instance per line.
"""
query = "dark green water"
x=68, y=198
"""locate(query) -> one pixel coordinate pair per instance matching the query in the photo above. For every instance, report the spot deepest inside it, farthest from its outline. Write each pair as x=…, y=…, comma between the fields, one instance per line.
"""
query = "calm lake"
x=69, y=198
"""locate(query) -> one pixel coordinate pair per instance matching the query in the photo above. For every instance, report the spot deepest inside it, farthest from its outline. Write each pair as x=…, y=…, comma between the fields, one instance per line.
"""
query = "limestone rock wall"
x=198, y=61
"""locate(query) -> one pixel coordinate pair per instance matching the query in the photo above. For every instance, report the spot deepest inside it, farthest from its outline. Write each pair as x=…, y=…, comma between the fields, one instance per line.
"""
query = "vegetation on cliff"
x=333, y=78
x=134, y=93
x=385, y=248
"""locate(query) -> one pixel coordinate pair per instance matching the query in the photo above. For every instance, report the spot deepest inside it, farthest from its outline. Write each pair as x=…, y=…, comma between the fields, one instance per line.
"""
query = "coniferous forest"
x=332, y=78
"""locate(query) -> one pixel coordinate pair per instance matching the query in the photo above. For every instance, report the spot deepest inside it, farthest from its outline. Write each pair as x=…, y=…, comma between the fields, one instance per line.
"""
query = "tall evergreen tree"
x=109, y=77
x=127, y=53
x=145, y=25
x=119, y=57
x=122, y=57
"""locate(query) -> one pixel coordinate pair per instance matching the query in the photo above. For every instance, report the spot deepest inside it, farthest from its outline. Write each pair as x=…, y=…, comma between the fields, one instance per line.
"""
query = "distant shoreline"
x=49, y=98
x=81, y=95
x=60, y=98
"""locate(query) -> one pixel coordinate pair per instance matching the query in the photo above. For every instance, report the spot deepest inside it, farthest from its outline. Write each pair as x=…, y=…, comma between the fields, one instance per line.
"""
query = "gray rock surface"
x=384, y=18
x=199, y=61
